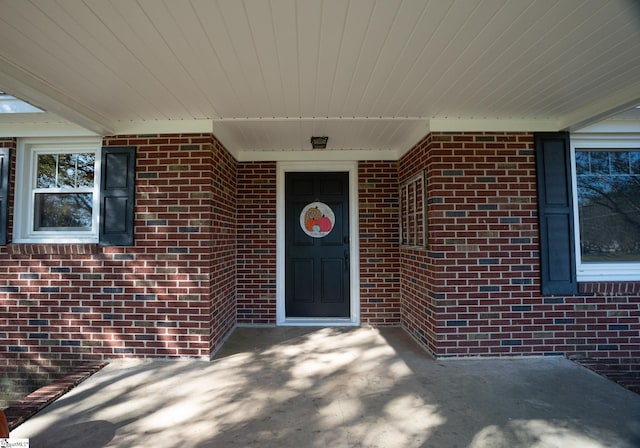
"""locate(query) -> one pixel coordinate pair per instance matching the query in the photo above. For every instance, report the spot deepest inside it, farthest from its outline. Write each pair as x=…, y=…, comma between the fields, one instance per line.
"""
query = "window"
x=413, y=212
x=607, y=208
x=57, y=191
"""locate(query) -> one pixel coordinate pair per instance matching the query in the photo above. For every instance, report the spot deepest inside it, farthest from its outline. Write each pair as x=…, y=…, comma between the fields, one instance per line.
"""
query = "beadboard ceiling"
x=266, y=75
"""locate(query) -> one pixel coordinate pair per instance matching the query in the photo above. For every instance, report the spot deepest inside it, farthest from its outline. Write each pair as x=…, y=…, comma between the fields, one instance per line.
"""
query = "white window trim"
x=589, y=272
x=23, y=231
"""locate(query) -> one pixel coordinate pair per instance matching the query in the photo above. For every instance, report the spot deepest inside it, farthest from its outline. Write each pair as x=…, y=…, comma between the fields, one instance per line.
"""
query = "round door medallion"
x=317, y=219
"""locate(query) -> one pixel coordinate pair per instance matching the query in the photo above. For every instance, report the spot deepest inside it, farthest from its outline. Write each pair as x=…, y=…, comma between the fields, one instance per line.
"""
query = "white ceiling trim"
x=419, y=129
x=65, y=129
x=30, y=88
x=163, y=127
x=317, y=155
x=620, y=101
x=263, y=119
x=491, y=125
x=613, y=126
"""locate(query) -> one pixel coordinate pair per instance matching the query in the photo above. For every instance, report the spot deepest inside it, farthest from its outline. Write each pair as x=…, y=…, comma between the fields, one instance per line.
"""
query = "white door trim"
x=354, y=245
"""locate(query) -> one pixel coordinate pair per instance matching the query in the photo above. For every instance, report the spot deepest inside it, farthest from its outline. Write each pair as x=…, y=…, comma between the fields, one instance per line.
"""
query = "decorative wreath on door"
x=317, y=219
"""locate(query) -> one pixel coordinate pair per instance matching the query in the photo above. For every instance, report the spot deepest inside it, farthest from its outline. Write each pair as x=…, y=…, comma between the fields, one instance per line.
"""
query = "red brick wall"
x=379, y=264
x=205, y=257
x=222, y=264
x=477, y=287
x=379, y=252
x=256, y=262
x=169, y=295
x=420, y=284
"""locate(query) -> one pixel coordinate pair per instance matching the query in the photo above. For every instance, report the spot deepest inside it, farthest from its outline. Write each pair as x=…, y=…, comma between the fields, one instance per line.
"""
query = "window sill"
x=608, y=272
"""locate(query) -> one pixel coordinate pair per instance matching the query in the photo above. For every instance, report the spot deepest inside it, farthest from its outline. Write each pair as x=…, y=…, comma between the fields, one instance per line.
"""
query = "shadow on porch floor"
x=339, y=387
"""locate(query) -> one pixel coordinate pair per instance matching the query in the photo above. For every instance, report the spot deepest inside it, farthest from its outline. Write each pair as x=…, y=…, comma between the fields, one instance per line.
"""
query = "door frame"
x=354, y=244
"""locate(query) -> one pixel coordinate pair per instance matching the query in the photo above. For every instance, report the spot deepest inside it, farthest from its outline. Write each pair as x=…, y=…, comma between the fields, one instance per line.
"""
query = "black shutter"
x=555, y=207
x=5, y=159
x=117, y=190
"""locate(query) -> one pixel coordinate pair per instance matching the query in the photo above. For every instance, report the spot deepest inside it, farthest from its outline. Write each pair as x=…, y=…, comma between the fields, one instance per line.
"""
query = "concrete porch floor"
x=339, y=387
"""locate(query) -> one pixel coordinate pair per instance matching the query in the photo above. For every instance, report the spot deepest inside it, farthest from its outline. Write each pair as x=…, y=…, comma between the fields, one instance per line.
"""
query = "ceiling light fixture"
x=319, y=142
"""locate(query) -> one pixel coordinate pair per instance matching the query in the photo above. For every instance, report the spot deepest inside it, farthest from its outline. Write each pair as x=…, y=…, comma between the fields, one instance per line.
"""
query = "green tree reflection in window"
x=609, y=205
x=63, y=194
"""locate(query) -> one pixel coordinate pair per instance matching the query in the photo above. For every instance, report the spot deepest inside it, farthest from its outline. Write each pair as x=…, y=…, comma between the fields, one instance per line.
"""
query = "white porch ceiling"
x=265, y=75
